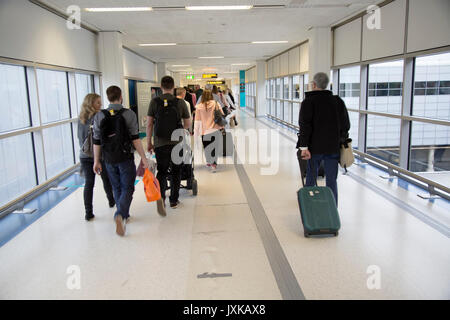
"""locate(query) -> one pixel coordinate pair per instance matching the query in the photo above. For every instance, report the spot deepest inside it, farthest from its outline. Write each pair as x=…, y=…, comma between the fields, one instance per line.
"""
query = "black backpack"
x=167, y=119
x=115, y=137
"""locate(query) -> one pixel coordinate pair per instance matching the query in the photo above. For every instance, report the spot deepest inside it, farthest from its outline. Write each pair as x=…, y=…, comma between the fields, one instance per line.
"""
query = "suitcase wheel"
x=306, y=234
x=194, y=187
x=336, y=233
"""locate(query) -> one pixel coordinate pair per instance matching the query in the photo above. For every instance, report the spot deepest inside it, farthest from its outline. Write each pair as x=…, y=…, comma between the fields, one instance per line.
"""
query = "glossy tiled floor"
x=215, y=232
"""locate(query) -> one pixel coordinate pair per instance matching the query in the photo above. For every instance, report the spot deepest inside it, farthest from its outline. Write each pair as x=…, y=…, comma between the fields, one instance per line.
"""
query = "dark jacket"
x=323, y=121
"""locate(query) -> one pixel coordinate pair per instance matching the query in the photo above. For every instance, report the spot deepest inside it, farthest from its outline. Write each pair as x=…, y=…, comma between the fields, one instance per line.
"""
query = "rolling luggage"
x=318, y=210
x=227, y=143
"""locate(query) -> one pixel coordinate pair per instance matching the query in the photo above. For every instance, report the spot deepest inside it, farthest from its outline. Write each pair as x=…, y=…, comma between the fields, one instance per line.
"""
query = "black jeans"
x=210, y=153
x=163, y=163
x=87, y=165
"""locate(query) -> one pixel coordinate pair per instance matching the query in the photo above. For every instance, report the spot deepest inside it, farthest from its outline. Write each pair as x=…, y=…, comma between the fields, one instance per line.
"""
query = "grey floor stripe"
x=411, y=210
x=286, y=280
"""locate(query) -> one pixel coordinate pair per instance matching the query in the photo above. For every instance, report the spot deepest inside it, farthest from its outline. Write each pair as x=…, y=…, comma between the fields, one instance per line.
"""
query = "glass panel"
x=383, y=138
x=287, y=112
x=278, y=88
x=279, y=109
x=58, y=149
x=295, y=113
x=432, y=87
x=385, y=87
x=349, y=86
x=305, y=84
x=13, y=90
x=296, y=88
x=286, y=88
x=17, y=171
x=53, y=95
x=430, y=149
x=273, y=110
x=76, y=143
x=354, y=128
x=84, y=86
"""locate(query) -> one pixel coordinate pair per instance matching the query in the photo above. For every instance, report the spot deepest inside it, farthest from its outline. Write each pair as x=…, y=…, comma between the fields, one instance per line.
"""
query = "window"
x=286, y=88
x=279, y=111
x=385, y=87
x=287, y=111
x=349, y=86
x=84, y=85
x=297, y=87
x=430, y=148
x=295, y=113
x=354, y=128
x=432, y=87
x=13, y=90
x=278, y=88
x=58, y=149
x=305, y=84
x=17, y=171
x=53, y=95
x=383, y=138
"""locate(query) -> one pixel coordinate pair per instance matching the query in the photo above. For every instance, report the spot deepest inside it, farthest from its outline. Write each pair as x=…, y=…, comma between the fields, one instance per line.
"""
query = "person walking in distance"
x=165, y=115
x=116, y=137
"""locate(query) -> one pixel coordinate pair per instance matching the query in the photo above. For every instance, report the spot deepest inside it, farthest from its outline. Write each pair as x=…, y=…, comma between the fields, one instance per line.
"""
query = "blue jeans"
x=122, y=176
x=331, y=171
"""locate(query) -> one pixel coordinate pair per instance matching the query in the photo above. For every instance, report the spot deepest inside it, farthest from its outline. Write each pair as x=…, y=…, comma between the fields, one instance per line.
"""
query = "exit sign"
x=190, y=77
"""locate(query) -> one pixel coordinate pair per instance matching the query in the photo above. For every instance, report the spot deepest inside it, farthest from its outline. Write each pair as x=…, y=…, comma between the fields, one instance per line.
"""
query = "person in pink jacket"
x=205, y=125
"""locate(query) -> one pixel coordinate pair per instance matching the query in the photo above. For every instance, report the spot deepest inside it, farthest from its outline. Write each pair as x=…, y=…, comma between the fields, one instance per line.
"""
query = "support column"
x=111, y=61
x=177, y=79
x=320, y=44
x=261, y=102
x=162, y=71
x=242, y=103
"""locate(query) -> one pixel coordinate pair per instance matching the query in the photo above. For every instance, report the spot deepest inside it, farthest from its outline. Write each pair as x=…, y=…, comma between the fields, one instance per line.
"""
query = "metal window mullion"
x=363, y=99
x=405, y=129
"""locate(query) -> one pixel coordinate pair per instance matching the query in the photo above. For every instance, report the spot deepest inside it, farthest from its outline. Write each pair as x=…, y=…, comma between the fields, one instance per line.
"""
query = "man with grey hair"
x=324, y=125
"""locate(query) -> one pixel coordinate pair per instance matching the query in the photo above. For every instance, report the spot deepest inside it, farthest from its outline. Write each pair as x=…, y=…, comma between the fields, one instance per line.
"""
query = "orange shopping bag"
x=151, y=186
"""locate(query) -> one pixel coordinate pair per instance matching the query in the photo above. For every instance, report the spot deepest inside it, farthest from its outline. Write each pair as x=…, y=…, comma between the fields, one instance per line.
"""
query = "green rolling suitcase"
x=318, y=210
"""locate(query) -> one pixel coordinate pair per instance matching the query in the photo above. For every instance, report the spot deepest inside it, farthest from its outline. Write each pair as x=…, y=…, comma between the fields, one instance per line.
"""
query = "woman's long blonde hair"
x=207, y=96
x=87, y=108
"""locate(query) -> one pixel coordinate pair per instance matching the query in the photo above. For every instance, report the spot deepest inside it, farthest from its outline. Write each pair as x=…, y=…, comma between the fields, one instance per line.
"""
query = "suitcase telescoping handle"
x=309, y=163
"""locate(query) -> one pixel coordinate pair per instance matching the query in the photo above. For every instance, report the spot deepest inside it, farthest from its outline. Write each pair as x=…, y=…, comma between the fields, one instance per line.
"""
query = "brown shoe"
x=161, y=207
x=120, y=225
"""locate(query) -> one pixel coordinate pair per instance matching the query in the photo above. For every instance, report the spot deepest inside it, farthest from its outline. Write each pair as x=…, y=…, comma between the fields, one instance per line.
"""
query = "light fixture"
x=265, y=42
x=157, y=44
x=211, y=57
x=240, y=64
x=181, y=65
x=218, y=7
x=119, y=9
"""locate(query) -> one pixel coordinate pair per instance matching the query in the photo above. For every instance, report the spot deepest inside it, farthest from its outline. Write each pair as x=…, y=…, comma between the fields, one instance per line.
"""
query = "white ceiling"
x=213, y=33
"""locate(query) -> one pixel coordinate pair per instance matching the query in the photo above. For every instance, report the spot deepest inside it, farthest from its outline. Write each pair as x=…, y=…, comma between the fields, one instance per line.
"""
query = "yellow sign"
x=215, y=82
x=209, y=75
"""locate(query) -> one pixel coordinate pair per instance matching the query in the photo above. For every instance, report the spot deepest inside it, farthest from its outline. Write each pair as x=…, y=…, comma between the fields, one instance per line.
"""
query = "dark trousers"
x=210, y=153
x=122, y=176
x=87, y=165
x=331, y=171
x=163, y=163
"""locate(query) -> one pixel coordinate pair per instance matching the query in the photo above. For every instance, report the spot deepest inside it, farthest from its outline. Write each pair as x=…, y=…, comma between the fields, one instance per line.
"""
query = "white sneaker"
x=213, y=168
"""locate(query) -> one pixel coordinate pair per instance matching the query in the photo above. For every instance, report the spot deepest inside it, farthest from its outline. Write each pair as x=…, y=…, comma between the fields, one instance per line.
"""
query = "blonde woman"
x=91, y=105
x=206, y=127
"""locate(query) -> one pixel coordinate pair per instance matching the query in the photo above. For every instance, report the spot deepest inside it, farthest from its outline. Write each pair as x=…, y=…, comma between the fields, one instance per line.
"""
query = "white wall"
x=136, y=67
x=28, y=32
x=347, y=43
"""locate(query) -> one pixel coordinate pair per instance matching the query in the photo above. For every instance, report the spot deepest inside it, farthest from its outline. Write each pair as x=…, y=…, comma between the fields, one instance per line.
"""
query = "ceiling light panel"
x=268, y=42
x=199, y=8
x=156, y=44
x=119, y=9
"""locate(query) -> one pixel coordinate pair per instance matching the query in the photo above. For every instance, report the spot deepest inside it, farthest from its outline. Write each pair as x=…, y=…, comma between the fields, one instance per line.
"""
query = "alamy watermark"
x=74, y=17
x=374, y=280
x=73, y=281
x=374, y=17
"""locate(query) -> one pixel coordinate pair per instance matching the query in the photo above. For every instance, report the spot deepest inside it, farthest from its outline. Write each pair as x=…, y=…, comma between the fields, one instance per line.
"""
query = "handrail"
x=430, y=185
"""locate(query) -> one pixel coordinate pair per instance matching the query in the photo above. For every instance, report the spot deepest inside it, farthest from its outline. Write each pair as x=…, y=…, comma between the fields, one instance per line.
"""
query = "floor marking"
x=285, y=277
x=213, y=275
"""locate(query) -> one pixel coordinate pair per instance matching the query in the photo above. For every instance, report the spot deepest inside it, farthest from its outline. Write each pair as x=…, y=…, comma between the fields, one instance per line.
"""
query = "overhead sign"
x=190, y=77
x=216, y=82
x=209, y=75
